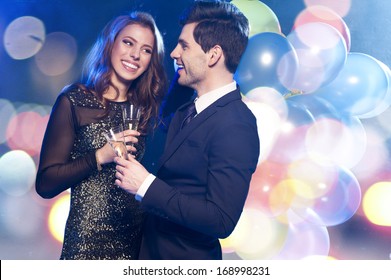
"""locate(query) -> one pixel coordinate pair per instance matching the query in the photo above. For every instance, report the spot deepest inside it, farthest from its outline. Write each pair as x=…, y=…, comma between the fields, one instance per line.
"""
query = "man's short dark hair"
x=219, y=23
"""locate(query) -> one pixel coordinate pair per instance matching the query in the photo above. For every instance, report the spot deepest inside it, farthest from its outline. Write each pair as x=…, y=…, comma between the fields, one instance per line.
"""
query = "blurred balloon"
x=318, y=13
x=271, y=97
x=304, y=239
x=337, y=205
x=360, y=86
x=386, y=102
x=321, y=53
x=269, y=61
x=317, y=106
x=261, y=18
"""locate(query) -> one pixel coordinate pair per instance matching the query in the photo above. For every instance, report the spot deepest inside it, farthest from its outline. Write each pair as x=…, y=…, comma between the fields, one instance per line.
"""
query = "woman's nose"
x=135, y=53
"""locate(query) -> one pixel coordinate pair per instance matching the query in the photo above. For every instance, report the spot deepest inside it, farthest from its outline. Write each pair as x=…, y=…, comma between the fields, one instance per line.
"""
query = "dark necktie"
x=190, y=113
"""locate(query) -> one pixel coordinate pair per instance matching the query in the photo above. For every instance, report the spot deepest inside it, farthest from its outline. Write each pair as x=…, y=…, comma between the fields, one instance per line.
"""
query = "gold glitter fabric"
x=104, y=221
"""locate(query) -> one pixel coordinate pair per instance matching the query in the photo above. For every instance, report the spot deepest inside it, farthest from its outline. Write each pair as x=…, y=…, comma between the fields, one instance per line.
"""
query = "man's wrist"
x=145, y=186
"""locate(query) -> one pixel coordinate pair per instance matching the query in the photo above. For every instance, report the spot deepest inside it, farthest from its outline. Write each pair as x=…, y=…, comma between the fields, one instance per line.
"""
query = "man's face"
x=191, y=60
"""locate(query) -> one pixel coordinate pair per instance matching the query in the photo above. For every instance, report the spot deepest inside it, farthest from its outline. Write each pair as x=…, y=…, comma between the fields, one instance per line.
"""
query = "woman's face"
x=131, y=54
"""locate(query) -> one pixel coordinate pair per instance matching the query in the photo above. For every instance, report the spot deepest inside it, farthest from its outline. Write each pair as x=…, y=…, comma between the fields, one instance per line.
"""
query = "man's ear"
x=215, y=54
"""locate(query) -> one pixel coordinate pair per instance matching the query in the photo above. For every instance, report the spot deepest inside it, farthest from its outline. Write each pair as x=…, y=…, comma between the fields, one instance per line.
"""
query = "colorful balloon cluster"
x=309, y=94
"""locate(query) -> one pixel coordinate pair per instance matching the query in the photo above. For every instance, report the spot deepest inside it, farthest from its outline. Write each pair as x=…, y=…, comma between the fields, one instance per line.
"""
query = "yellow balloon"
x=259, y=15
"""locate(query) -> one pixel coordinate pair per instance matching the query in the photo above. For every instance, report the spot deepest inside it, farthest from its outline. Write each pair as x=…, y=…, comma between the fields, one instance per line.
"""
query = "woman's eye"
x=127, y=42
x=148, y=51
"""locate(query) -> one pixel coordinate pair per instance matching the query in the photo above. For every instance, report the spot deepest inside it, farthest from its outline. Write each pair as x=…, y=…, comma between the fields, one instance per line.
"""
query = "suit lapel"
x=176, y=136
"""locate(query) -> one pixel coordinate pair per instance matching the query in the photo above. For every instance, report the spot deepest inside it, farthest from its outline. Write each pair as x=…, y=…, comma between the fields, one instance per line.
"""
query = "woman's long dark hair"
x=147, y=90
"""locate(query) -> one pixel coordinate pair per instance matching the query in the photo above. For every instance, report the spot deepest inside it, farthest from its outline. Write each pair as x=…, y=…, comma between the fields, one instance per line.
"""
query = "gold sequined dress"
x=104, y=221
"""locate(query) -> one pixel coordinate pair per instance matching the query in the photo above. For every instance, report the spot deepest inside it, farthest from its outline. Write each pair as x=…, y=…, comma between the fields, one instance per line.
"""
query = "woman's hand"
x=106, y=154
x=130, y=140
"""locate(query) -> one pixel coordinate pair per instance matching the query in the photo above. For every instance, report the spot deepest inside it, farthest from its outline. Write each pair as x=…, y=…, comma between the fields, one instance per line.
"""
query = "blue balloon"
x=317, y=106
x=360, y=86
x=269, y=61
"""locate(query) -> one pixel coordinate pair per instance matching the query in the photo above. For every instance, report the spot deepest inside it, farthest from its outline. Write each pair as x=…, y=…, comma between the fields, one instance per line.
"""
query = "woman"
x=124, y=65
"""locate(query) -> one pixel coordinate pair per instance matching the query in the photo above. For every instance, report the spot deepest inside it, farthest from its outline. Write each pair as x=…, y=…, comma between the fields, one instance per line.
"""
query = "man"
x=203, y=176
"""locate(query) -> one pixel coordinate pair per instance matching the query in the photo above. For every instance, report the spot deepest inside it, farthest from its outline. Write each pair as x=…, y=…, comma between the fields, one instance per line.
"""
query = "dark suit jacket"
x=202, y=182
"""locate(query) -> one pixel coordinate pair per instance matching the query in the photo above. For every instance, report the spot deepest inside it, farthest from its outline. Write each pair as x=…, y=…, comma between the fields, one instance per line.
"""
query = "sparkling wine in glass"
x=131, y=117
x=131, y=123
x=115, y=137
x=119, y=148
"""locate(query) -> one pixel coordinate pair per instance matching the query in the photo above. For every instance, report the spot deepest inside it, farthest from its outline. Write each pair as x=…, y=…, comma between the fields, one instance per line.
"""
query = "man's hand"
x=130, y=174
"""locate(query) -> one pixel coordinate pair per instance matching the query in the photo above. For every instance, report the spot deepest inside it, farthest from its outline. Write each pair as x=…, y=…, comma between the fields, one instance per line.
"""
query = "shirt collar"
x=208, y=98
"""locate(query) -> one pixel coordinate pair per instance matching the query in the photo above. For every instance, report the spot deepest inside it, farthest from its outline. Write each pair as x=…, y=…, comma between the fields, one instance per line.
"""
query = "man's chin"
x=181, y=81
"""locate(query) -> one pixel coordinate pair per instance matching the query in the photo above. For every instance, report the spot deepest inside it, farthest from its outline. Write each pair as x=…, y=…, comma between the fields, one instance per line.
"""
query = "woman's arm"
x=57, y=171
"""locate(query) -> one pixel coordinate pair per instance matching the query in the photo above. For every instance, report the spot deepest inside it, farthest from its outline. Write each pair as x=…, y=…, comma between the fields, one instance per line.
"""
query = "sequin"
x=104, y=221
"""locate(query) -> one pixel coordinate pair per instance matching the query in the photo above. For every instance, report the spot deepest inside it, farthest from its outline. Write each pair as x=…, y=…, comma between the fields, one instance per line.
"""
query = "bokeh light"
x=17, y=172
x=258, y=236
x=375, y=157
x=321, y=51
x=347, y=149
x=376, y=204
x=312, y=178
x=337, y=205
x=21, y=218
x=267, y=130
x=24, y=37
x=25, y=132
x=7, y=112
x=57, y=55
x=268, y=191
x=304, y=239
x=58, y=216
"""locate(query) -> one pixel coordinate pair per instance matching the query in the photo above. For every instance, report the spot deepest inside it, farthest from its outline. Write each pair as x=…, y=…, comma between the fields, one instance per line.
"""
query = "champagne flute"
x=115, y=137
x=131, y=117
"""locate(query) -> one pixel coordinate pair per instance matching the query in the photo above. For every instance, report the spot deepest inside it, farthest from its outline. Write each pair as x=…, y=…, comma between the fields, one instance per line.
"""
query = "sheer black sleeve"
x=57, y=171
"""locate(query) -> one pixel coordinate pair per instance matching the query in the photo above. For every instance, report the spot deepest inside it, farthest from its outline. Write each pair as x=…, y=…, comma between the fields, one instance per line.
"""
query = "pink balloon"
x=325, y=15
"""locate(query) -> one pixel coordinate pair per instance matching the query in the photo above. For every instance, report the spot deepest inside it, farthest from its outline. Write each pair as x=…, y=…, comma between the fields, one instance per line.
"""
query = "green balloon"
x=259, y=15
